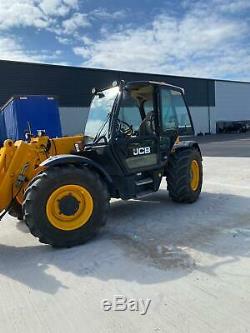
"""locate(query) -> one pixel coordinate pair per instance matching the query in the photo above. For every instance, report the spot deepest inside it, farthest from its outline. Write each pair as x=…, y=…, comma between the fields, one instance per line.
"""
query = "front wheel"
x=16, y=210
x=185, y=175
x=66, y=206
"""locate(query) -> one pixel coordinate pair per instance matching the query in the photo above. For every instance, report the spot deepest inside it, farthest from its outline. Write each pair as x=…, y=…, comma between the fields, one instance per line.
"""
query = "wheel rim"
x=195, y=175
x=69, y=207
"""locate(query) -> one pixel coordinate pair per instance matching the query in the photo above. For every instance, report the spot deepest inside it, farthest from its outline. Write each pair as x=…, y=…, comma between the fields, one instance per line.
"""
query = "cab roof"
x=133, y=84
x=153, y=83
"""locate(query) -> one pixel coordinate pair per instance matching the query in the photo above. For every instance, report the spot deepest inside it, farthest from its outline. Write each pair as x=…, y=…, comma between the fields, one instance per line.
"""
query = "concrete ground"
x=192, y=261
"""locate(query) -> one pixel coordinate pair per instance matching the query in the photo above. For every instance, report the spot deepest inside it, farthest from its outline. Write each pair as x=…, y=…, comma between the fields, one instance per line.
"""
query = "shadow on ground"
x=141, y=235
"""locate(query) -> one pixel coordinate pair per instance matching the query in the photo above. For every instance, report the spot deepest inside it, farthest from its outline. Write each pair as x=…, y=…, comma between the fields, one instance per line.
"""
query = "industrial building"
x=211, y=102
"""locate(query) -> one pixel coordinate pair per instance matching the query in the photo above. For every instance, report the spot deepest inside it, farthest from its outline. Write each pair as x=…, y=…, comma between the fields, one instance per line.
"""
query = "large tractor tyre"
x=184, y=175
x=66, y=206
x=16, y=210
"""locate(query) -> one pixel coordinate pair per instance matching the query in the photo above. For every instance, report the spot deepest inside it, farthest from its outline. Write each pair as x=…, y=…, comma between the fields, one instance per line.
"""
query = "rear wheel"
x=66, y=206
x=184, y=175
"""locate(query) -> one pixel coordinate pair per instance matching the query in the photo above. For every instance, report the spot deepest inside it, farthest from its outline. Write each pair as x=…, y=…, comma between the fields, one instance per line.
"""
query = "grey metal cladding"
x=73, y=85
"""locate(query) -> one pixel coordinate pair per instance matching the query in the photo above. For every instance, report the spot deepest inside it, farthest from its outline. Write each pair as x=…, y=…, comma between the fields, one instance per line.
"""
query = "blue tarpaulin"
x=3, y=135
x=41, y=112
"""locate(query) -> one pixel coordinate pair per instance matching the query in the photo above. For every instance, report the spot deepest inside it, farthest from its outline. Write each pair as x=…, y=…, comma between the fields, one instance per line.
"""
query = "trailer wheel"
x=184, y=175
x=66, y=206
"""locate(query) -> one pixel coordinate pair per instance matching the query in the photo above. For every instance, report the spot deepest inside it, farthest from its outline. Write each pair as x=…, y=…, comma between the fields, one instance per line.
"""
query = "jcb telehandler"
x=61, y=187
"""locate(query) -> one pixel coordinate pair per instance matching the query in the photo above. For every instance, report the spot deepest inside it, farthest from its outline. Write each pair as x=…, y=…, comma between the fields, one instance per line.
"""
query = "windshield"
x=100, y=109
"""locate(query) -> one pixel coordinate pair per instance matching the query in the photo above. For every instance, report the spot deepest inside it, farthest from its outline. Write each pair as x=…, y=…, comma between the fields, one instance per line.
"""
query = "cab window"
x=174, y=112
x=168, y=114
x=130, y=111
x=183, y=119
x=137, y=112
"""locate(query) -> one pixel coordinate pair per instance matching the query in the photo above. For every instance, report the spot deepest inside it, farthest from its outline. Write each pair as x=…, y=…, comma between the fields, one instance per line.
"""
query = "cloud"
x=21, y=14
x=33, y=13
x=50, y=15
x=57, y=7
x=221, y=6
x=102, y=13
x=200, y=43
x=75, y=22
x=232, y=6
x=64, y=40
x=12, y=49
x=83, y=20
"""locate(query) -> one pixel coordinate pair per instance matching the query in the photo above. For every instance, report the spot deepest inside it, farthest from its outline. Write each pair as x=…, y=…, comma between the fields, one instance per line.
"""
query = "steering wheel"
x=124, y=127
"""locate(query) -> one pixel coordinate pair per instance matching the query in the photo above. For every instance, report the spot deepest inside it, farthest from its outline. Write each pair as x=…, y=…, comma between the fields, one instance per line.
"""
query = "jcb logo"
x=141, y=151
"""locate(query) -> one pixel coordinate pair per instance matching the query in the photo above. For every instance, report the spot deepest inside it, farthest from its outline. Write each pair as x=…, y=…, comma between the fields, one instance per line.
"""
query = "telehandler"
x=62, y=187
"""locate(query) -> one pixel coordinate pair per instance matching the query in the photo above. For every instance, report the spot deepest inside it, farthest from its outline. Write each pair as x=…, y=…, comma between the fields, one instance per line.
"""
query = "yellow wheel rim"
x=195, y=175
x=69, y=207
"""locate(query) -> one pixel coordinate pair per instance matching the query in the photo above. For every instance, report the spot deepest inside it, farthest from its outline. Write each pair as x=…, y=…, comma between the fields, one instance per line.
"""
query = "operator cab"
x=131, y=130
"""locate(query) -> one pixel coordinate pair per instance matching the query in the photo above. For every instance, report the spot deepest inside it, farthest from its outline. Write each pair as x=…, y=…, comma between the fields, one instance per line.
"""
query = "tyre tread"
x=38, y=183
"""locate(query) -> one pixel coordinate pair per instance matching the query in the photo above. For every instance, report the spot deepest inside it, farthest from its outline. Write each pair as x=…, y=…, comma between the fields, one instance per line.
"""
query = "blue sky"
x=192, y=38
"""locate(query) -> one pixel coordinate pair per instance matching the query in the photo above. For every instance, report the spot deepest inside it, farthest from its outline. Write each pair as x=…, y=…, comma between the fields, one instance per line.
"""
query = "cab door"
x=174, y=119
x=168, y=123
x=136, y=142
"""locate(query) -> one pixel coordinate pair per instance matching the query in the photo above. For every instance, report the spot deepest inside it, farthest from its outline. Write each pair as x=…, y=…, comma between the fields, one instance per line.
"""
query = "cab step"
x=144, y=194
x=144, y=181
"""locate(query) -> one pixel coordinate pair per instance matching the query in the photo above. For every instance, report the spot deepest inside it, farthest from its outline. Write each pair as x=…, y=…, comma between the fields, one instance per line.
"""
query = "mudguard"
x=186, y=144
x=75, y=159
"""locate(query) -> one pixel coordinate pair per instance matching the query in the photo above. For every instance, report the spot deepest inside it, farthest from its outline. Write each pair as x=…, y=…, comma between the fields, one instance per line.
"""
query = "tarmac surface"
x=191, y=261
x=225, y=145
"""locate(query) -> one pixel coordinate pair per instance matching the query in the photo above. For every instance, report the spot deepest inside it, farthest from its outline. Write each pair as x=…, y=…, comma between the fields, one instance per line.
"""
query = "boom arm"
x=20, y=163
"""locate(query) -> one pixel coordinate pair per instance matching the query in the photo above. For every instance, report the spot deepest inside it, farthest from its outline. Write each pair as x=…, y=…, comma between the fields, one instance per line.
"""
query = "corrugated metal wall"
x=200, y=116
x=232, y=101
x=73, y=85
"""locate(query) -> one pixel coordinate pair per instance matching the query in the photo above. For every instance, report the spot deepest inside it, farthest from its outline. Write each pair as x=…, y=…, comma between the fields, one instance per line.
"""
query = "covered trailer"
x=23, y=112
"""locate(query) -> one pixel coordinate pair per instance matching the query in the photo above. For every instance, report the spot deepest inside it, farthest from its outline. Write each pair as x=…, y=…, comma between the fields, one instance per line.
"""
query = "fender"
x=75, y=159
x=186, y=144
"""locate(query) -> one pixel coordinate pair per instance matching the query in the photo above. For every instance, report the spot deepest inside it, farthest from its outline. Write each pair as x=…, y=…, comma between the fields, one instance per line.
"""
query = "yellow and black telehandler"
x=61, y=187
